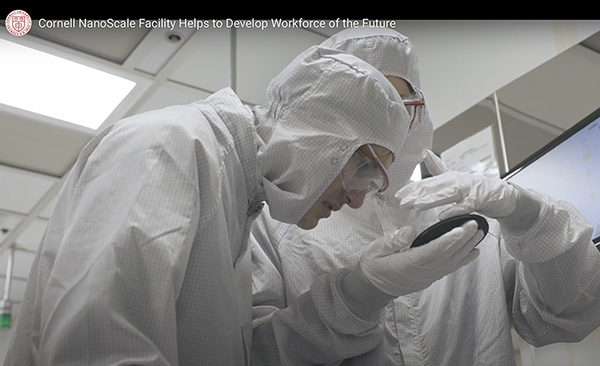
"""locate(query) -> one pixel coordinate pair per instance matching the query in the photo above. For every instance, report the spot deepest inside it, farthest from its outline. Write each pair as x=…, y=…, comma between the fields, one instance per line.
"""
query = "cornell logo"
x=18, y=23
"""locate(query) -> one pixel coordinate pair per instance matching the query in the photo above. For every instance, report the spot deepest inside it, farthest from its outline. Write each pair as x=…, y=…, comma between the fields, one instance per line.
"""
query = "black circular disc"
x=438, y=229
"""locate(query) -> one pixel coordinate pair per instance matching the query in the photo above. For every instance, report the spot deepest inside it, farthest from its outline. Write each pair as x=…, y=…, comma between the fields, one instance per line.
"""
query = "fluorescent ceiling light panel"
x=58, y=88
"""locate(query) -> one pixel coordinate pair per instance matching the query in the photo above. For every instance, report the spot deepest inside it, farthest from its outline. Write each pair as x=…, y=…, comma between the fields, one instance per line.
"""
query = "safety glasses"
x=364, y=172
x=414, y=103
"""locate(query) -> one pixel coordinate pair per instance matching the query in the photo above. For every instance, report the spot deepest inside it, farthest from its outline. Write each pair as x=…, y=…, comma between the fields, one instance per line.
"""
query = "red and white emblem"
x=18, y=23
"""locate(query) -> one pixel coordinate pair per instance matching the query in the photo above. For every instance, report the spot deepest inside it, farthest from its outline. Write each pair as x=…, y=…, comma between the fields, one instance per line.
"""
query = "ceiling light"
x=173, y=37
x=49, y=85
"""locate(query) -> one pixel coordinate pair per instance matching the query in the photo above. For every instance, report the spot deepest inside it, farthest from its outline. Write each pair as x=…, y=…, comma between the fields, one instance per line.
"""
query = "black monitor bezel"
x=583, y=123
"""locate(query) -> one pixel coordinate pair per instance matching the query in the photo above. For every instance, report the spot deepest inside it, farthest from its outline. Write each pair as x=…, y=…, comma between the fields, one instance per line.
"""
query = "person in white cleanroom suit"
x=537, y=268
x=145, y=257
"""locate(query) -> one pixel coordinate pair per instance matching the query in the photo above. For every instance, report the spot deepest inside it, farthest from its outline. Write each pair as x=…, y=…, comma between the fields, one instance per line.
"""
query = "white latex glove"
x=488, y=196
x=434, y=164
x=396, y=270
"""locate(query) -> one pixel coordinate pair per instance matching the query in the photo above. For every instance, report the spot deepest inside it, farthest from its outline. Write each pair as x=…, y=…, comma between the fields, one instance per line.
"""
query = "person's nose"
x=356, y=200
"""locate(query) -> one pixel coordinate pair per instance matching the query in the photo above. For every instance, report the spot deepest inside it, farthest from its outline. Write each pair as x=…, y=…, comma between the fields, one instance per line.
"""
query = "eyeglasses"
x=364, y=172
x=414, y=103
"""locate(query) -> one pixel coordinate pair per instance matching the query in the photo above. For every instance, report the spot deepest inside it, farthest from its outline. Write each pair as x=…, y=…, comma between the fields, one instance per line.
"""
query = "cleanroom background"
x=544, y=74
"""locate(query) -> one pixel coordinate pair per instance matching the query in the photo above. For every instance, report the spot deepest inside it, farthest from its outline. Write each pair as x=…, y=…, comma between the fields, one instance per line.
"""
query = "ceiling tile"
x=113, y=44
x=32, y=236
x=21, y=265
x=37, y=143
x=262, y=54
x=47, y=211
x=17, y=290
x=7, y=223
x=21, y=190
x=160, y=48
x=171, y=94
x=572, y=79
x=593, y=42
x=208, y=67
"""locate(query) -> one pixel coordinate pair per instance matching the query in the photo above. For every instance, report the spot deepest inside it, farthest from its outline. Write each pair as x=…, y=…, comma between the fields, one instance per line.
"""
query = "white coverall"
x=145, y=258
x=550, y=293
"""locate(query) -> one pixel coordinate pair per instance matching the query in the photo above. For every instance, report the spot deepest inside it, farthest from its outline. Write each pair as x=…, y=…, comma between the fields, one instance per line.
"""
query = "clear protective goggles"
x=414, y=104
x=364, y=172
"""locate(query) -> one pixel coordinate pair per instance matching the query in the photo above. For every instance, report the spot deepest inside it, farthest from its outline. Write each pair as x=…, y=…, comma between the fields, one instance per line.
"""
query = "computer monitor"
x=568, y=168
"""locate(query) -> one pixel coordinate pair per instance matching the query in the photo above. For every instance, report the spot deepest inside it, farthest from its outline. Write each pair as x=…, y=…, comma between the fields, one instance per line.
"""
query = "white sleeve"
x=128, y=228
x=556, y=291
x=315, y=328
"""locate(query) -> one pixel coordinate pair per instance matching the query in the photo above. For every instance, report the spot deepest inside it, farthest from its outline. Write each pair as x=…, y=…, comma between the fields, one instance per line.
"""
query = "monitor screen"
x=568, y=169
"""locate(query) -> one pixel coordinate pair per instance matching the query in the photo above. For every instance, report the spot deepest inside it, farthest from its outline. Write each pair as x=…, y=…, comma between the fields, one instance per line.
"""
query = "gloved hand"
x=488, y=196
x=434, y=164
x=396, y=270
